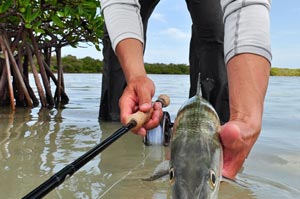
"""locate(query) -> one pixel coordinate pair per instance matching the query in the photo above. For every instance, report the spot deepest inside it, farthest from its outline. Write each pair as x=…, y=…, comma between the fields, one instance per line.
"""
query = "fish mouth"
x=183, y=190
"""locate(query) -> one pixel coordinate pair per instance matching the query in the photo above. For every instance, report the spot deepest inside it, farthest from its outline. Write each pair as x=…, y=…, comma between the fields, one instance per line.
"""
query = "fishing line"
x=135, y=121
x=128, y=174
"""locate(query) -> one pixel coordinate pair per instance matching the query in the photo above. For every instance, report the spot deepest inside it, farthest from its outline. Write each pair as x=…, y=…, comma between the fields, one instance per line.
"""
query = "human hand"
x=137, y=97
x=237, y=137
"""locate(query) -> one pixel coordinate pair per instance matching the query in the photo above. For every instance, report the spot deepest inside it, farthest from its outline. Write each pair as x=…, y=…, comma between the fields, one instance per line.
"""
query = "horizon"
x=168, y=35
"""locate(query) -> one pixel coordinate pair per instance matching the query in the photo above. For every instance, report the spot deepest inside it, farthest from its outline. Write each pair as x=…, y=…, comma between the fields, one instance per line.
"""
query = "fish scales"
x=196, y=152
x=196, y=113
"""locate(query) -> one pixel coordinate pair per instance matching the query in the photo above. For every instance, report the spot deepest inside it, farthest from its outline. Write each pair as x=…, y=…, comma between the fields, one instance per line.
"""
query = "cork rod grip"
x=141, y=118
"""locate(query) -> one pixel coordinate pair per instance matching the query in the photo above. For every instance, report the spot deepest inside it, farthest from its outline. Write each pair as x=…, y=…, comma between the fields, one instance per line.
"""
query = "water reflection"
x=36, y=143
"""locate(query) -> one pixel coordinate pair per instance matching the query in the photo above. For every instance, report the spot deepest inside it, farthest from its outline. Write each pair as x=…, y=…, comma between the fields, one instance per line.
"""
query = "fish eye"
x=212, y=178
x=172, y=175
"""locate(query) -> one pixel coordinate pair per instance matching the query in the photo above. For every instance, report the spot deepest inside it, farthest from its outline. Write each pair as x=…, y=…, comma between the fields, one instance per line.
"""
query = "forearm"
x=247, y=25
x=248, y=76
x=125, y=29
x=130, y=55
x=140, y=89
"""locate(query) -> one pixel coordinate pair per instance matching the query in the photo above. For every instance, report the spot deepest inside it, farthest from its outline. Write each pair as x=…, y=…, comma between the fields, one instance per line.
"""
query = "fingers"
x=237, y=140
x=156, y=116
x=233, y=146
x=137, y=96
x=153, y=121
x=231, y=136
x=128, y=104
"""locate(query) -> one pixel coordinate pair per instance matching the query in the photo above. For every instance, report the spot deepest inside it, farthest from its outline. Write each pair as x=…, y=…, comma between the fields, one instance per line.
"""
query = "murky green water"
x=36, y=143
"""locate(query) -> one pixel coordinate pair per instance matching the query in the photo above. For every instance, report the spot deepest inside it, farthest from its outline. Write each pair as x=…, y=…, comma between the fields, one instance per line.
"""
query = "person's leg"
x=147, y=7
x=113, y=80
x=113, y=83
x=207, y=54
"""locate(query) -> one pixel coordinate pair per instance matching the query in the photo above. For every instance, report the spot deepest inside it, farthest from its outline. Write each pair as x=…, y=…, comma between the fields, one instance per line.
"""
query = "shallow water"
x=36, y=143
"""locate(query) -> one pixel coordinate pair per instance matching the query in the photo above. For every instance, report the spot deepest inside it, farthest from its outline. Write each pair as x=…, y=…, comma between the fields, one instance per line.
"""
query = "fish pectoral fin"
x=234, y=182
x=160, y=171
x=157, y=175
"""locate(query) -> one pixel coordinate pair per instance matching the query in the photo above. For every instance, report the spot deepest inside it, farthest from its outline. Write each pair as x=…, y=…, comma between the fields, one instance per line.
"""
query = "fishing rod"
x=136, y=121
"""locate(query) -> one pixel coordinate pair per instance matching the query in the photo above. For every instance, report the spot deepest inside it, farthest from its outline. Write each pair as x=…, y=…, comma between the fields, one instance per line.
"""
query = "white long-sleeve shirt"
x=246, y=22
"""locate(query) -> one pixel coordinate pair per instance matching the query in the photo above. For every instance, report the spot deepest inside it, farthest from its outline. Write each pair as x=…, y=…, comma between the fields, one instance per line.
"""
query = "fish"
x=196, y=159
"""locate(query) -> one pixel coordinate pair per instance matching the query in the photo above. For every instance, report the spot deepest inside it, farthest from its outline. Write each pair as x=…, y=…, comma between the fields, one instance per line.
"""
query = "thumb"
x=145, y=95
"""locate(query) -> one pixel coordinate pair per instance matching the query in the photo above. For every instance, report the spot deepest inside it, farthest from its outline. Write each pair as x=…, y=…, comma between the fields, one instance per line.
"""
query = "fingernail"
x=145, y=105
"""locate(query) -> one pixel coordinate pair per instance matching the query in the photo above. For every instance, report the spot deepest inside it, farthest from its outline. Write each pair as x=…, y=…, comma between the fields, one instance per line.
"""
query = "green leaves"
x=5, y=6
x=57, y=21
x=67, y=11
x=63, y=22
x=27, y=17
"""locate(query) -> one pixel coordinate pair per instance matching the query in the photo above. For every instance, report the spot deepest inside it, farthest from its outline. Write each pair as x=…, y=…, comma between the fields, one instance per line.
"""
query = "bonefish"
x=196, y=153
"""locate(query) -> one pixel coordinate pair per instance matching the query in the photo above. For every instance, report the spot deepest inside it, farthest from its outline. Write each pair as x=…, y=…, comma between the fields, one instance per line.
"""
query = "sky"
x=169, y=30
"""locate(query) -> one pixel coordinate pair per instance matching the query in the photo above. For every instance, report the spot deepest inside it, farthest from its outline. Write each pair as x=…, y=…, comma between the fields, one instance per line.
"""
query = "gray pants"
x=206, y=57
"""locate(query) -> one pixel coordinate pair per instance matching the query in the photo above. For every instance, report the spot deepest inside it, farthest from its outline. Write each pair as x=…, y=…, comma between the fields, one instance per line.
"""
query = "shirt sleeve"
x=122, y=20
x=247, y=27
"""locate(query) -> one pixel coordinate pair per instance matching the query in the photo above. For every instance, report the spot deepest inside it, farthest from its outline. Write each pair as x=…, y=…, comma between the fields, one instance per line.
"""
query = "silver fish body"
x=196, y=153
